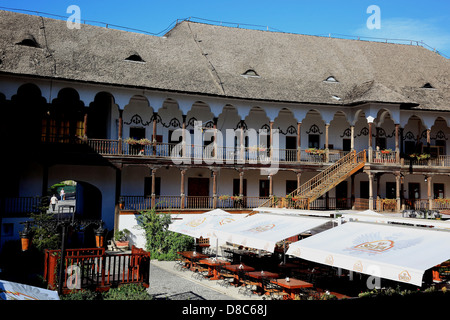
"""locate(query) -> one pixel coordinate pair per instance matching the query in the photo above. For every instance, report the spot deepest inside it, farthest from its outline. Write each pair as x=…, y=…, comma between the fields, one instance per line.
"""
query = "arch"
x=286, y=122
x=27, y=109
x=200, y=111
x=102, y=115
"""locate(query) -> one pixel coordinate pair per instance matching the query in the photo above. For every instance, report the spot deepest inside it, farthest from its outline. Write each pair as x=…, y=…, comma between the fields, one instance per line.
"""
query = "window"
x=264, y=188
x=364, y=189
x=29, y=42
x=8, y=230
x=438, y=191
x=250, y=73
x=414, y=191
x=135, y=58
x=427, y=86
x=410, y=147
x=346, y=144
x=291, y=142
x=313, y=141
x=291, y=186
x=331, y=79
x=391, y=190
x=236, y=185
x=148, y=186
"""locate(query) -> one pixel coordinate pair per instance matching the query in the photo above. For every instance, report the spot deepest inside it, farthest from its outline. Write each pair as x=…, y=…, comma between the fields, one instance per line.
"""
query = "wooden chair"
x=274, y=290
x=227, y=277
x=248, y=284
x=200, y=272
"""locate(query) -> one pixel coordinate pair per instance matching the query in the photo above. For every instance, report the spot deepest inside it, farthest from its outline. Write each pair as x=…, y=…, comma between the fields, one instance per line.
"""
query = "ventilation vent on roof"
x=331, y=79
x=250, y=73
x=135, y=58
x=427, y=86
x=29, y=42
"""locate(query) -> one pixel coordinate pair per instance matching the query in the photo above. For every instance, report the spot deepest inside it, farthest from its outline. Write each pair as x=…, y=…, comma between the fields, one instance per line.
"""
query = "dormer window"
x=427, y=86
x=331, y=79
x=250, y=73
x=29, y=42
x=135, y=58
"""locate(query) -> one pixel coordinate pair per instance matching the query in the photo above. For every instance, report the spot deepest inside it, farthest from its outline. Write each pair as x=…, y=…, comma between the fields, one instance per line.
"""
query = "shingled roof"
x=230, y=62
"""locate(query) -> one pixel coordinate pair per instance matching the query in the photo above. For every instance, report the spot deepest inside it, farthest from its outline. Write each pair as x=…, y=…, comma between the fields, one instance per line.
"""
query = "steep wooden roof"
x=229, y=62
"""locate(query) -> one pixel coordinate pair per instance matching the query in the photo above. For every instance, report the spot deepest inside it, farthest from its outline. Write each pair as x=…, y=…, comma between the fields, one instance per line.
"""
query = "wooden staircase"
x=324, y=181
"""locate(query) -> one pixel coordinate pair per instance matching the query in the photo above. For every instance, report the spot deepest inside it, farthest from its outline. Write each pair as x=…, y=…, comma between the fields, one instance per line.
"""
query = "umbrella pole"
x=284, y=251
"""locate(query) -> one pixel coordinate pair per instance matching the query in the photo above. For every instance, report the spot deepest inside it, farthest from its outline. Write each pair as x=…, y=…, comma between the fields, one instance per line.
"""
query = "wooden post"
x=299, y=175
x=397, y=142
x=85, y=125
x=154, y=133
x=352, y=188
x=183, y=137
x=299, y=140
x=430, y=198
x=370, y=174
x=271, y=140
x=214, y=174
x=182, y=194
x=120, y=132
x=352, y=138
x=397, y=191
x=327, y=151
x=370, y=142
x=241, y=186
x=153, y=187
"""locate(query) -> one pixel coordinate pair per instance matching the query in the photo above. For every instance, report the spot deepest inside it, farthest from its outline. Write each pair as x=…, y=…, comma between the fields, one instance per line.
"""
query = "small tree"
x=43, y=236
x=162, y=243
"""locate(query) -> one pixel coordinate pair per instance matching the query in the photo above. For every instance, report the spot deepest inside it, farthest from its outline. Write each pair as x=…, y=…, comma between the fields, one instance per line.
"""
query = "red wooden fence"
x=96, y=269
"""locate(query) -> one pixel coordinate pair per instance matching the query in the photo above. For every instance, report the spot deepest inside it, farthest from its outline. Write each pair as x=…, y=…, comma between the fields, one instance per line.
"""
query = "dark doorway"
x=264, y=188
x=198, y=192
x=136, y=133
x=341, y=195
x=364, y=189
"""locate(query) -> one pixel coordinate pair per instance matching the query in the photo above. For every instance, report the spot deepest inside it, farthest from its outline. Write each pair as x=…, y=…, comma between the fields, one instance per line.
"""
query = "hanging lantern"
x=25, y=237
x=100, y=237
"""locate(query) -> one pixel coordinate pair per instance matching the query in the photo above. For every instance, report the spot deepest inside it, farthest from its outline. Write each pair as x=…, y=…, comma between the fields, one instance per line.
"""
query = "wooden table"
x=292, y=286
x=259, y=276
x=236, y=268
x=213, y=264
x=192, y=257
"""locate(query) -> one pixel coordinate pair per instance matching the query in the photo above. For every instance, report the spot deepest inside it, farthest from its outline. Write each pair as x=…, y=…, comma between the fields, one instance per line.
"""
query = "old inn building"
x=139, y=120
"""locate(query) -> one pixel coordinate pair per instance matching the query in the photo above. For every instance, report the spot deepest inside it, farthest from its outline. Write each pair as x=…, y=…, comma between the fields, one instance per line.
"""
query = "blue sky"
x=426, y=21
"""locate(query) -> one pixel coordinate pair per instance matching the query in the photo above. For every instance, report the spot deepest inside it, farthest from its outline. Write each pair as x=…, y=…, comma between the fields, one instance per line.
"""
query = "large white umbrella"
x=202, y=225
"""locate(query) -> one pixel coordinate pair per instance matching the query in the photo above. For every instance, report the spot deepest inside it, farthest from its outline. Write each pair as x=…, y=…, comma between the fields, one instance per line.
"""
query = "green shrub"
x=162, y=243
x=82, y=295
x=130, y=291
x=127, y=292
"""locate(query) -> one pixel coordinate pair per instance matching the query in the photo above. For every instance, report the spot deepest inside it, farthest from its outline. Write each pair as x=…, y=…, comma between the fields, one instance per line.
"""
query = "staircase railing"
x=351, y=160
x=326, y=179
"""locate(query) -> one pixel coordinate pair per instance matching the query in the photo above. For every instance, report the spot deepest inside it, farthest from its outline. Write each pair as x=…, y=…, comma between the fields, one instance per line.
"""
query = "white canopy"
x=201, y=225
x=263, y=231
x=393, y=252
x=18, y=291
x=371, y=216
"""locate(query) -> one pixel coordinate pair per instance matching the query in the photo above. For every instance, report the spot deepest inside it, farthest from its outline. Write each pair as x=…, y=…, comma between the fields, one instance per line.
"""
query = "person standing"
x=53, y=201
x=62, y=194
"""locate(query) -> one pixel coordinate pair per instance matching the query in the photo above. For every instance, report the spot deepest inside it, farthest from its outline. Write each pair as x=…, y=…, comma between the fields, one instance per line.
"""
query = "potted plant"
x=121, y=238
x=315, y=151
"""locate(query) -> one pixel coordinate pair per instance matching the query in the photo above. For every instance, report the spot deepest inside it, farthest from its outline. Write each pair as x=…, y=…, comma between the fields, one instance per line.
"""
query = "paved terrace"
x=168, y=283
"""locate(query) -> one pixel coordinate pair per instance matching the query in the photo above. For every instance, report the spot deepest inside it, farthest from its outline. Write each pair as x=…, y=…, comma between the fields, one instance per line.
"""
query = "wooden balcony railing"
x=87, y=268
x=20, y=205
